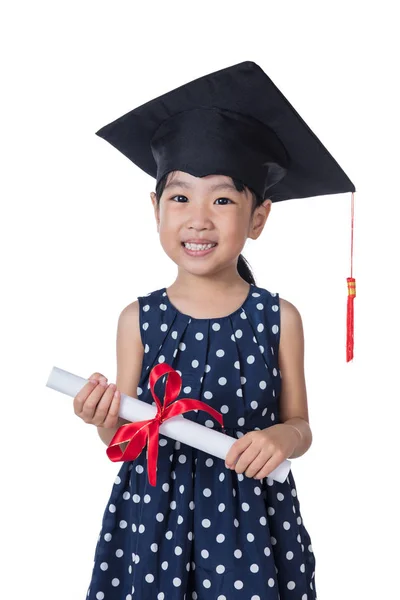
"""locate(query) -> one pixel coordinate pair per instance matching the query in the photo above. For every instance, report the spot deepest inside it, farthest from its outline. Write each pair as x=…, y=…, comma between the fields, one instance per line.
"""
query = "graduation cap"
x=234, y=122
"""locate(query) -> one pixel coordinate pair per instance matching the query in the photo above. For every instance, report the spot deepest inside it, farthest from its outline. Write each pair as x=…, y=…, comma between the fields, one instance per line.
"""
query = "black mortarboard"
x=232, y=122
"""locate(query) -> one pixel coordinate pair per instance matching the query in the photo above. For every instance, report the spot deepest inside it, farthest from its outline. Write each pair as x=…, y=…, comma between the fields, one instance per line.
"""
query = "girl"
x=209, y=529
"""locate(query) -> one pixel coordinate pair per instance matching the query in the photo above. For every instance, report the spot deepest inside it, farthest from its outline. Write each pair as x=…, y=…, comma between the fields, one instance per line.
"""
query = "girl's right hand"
x=97, y=403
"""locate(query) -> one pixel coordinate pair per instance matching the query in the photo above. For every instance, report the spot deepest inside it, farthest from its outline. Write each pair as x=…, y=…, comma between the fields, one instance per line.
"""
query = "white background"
x=79, y=243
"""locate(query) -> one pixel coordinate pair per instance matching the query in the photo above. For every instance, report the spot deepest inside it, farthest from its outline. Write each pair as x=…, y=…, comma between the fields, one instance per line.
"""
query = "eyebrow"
x=185, y=184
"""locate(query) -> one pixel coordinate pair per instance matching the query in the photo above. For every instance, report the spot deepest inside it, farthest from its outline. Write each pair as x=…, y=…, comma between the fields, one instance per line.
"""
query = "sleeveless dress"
x=205, y=532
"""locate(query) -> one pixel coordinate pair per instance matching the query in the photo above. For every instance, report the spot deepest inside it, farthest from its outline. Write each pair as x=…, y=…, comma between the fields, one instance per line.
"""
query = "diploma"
x=178, y=428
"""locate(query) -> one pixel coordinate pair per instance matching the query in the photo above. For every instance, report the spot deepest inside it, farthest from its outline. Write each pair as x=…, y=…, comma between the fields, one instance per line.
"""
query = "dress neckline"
x=252, y=287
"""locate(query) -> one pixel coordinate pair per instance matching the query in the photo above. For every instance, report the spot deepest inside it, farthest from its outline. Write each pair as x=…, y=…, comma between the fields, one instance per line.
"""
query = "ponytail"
x=244, y=270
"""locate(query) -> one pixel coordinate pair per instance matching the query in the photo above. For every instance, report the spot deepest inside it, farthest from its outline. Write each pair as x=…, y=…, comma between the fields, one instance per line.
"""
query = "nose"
x=199, y=217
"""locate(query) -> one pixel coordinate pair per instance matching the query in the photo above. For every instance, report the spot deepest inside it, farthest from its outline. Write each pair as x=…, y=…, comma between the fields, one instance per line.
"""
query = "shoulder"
x=292, y=334
x=129, y=323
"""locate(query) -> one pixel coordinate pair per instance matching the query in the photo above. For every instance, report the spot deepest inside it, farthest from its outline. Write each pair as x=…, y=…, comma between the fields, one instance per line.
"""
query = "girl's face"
x=206, y=210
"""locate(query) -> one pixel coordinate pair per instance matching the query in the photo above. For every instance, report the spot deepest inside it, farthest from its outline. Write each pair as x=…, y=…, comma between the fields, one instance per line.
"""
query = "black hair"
x=243, y=266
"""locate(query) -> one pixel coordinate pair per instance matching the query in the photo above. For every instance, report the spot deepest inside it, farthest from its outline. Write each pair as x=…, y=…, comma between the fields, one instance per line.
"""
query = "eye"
x=179, y=196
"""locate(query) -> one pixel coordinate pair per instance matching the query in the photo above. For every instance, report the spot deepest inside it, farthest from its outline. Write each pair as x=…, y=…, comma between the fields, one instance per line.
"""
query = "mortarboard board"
x=233, y=122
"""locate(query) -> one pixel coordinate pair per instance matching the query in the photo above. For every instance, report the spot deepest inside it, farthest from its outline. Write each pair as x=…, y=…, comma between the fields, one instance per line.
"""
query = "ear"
x=156, y=209
x=259, y=218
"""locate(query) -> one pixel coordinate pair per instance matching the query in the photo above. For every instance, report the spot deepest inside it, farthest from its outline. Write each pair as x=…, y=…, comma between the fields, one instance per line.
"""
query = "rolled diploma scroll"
x=178, y=428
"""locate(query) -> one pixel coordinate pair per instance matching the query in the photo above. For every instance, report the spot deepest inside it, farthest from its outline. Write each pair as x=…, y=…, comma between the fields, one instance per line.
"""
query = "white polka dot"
x=254, y=404
x=220, y=353
x=163, y=442
x=255, y=294
x=164, y=565
x=104, y=566
x=264, y=412
x=263, y=521
x=250, y=537
x=250, y=359
x=199, y=336
x=273, y=540
x=241, y=422
x=107, y=537
x=146, y=498
x=280, y=496
x=260, y=306
x=220, y=538
x=164, y=327
x=221, y=476
x=238, y=584
x=302, y=568
x=134, y=528
x=117, y=481
x=100, y=596
x=238, y=333
x=239, y=392
x=267, y=551
x=293, y=492
x=141, y=528
x=136, y=498
x=224, y=409
x=291, y=585
x=275, y=328
x=187, y=389
x=263, y=384
x=112, y=508
x=119, y=553
x=176, y=581
x=220, y=569
x=191, y=505
x=154, y=547
x=216, y=326
x=237, y=554
x=169, y=535
x=178, y=550
x=172, y=505
x=208, y=395
x=180, y=520
x=221, y=507
x=209, y=462
x=165, y=487
x=245, y=506
x=207, y=492
x=195, y=363
x=123, y=524
x=115, y=582
x=222, y=380
x=159, y=517
x=271, y=511
x=260, y=327
x=182, y=458
x=207, y=583
x=161, y=596
x=289, y=555
x=139, y=469
x=236, y=364
x=254, y=568
x=146, y=307
x=206, y=523
x=181, y=489
x=174, y=334
x=149, y=578
x=271, y=582
x=205, y=553
x=286, y=525
x=209, y=423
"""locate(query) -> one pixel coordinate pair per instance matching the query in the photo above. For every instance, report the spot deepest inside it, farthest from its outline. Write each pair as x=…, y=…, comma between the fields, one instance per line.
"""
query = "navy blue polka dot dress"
x=205, y=532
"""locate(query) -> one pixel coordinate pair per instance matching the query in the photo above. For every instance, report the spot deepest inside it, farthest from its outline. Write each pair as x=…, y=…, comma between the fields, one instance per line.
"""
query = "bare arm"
x=293, y=399
x=130, y=352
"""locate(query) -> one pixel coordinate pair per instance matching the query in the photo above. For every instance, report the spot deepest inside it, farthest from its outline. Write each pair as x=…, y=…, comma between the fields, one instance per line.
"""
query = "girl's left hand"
x=259, y=452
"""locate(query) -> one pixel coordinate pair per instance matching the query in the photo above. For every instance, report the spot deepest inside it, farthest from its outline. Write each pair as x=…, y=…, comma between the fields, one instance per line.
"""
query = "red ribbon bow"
x=139, y=432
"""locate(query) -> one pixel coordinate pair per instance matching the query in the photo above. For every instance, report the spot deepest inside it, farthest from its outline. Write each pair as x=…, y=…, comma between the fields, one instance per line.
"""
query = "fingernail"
x=103, y=381
x=93, y=380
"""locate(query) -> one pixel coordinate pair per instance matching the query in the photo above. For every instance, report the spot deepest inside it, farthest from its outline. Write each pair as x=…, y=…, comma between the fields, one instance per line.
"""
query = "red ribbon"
x=140, y=432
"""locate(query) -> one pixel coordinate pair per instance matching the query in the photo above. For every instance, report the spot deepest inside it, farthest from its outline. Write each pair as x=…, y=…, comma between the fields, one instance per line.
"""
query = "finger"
x=247, y=458
x=113, y=412
x=236, y=449
x=91, y=402
x=269, y=466
x=258, y=463
x=102, y=407
x=82, y=395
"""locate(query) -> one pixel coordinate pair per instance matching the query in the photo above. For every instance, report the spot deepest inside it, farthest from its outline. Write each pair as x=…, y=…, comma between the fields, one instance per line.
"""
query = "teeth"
x=198, y=246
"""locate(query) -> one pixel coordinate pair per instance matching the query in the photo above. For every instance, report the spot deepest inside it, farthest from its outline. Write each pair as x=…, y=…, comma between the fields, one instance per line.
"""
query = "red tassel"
x=351, y=290
x=351, y=287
